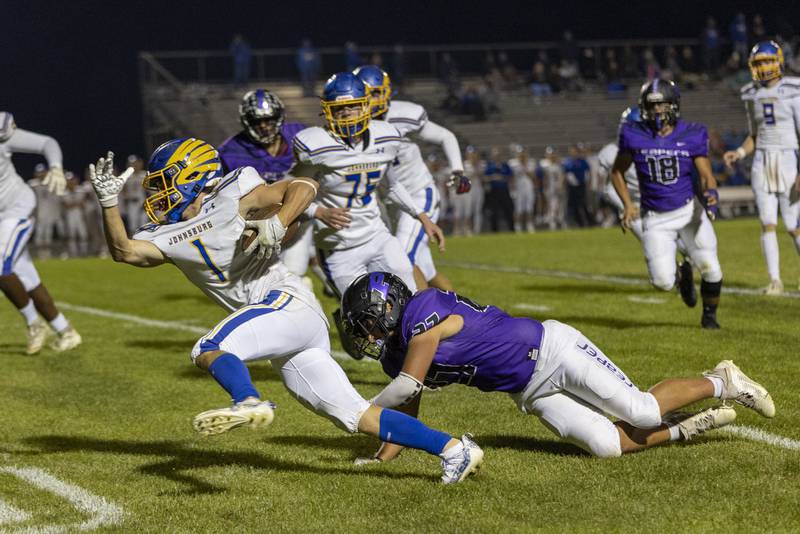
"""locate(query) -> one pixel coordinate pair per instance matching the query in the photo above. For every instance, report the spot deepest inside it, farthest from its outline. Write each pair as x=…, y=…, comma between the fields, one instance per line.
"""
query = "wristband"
x=741, y=153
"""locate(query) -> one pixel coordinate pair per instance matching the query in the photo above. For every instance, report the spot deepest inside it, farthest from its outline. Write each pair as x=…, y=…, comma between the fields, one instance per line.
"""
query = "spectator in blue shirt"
x=498, y=198
x=577, y=170
x=308, y=66
x=242, y=54
x=738, y=33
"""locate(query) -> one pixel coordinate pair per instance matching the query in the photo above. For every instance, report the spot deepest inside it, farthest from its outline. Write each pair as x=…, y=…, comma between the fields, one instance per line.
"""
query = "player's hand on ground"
x=55, y=180
x=435, y=233
x=711, y=200
x=631, y=214
x=336, y=218
x=460, y=183
x=105, y=184
x=270, y=232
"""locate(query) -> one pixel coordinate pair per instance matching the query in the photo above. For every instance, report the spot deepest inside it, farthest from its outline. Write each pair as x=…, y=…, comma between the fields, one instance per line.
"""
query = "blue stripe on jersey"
x=275, y=301
x=409, y=121
x=229, y=181
x=301, y=145
x=428, y=204
x=380, y=140
x=8, y=261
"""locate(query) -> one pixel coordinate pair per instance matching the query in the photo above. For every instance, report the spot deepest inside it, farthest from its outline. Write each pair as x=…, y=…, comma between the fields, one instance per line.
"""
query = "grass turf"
x=114, y=416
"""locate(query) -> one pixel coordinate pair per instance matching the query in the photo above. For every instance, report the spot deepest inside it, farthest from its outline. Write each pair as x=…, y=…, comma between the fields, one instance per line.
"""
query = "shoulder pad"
x=315, y=140
x=383, y=131
x=749, y=89
x=402, y=110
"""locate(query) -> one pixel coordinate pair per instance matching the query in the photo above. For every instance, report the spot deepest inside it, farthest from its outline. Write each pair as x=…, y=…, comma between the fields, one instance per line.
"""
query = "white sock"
x=797, y=243
x=60, y=323
x=29, y=312
x=718, y=385
x=674, y=433
x=769, y=246
x=452, y=451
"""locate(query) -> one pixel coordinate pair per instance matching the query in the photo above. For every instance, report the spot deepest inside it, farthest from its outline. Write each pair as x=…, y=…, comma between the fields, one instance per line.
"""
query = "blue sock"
x=408, y=431
x=232, y=374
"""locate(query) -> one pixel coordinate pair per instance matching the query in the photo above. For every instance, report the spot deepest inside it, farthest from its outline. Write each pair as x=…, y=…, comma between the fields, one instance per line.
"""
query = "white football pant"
x=412, y=235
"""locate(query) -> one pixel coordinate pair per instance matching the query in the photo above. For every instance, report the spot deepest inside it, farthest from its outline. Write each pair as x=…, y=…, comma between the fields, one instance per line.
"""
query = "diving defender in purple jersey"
x=436, y=338
x=665, y=149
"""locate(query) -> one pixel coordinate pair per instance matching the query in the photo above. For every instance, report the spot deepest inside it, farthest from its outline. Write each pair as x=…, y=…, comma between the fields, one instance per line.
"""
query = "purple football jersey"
x=664, y=164
x=241, y=151
x=492, y=352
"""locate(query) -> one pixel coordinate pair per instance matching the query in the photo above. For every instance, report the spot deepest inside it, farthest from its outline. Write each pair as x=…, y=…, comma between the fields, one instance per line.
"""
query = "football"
x=249, y=234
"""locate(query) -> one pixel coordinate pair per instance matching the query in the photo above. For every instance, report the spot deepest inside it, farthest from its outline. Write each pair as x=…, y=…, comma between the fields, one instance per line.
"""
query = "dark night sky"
x=69, y=68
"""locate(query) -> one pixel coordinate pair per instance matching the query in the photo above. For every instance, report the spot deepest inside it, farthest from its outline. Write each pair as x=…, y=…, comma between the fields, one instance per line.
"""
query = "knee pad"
x=606, y=445
x=664, y=283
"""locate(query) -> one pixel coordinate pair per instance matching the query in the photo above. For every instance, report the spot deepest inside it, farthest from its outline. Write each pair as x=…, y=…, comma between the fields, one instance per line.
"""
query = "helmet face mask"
x=345, y=105
x=766, y=62
x=659, y=104
x=379, y=88
x=176, y=174
x=262, y=115
x=372, y=307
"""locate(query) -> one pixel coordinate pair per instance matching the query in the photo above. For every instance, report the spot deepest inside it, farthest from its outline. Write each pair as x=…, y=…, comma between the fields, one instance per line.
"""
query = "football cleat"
x=686, y=284
x=774, y=289
x=37, y=335
x=703, y=421
x=461, y=461
x=252, y=413
x=741, y=388
x=66, y=340
x=709, y=321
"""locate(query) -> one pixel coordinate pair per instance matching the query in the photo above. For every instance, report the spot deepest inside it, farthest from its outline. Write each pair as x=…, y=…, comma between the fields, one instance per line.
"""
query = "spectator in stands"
x=48, y=213
x=471, y=102
x=711, y=47
x=577, y=173
x=498, y=197
x=672, y=67
x=473, y=169
x=537, y=82
x=649, y=64
x=73, y=203
x=759, y=31
x=308, y=64
x=523, y=168
x=511, y=78
x=553, y=180
x=569, y=48
x=352, y=58
x=588, y=64
x=242, y=54
x=738, y=36
x=569, y=76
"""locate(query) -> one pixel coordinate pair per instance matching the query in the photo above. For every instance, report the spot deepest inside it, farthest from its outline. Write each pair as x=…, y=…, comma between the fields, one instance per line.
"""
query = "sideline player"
x=772, y=101
x=19, y=279
x=349, y=158
x=605, y=159
x=274, y=316
x=436, y=338
x=524, y=189
x=410, y=170
x=265, y=143
x=664, y=150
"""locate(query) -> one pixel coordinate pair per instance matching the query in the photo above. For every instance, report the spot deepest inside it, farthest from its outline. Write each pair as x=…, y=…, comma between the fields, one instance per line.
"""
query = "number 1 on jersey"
x=206, y=258
x=369, y=186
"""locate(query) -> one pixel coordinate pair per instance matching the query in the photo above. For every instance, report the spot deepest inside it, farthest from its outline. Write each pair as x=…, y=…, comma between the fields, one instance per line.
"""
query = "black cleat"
x=686, y=285
x=709, y=321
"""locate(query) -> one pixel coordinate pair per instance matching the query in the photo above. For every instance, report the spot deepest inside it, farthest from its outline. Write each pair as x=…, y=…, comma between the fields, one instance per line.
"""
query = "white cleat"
x=706, y=420
x=250, y=413
x=743, y=389
x=774, y=289
x=37, y=335
x=66, y=340
x=461, y=460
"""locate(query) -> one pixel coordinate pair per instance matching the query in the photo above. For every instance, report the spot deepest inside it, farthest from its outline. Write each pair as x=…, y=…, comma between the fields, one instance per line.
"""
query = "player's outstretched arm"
x=107, y=186
x=621, y=164
x=434, y=133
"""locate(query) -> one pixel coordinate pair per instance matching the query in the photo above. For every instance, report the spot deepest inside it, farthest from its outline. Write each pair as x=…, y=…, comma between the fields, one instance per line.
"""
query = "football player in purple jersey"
x=665, y=151
x=436, y=338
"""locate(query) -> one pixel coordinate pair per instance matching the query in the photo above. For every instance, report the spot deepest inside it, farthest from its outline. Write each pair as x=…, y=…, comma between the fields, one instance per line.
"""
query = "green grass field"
x=114, y=416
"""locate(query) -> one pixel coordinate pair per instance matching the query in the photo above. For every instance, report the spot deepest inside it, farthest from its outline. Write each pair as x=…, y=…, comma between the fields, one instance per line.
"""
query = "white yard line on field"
x=101, y=512
x=12, y=514
x=754, y=434
x=167, y=325
x=570, y=275
x=531, y=307
x=646, y=300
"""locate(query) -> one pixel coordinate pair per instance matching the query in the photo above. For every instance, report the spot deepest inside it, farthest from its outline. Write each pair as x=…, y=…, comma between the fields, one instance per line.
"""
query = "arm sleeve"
x=433, y=133
x=27, y=142
x=399, y=195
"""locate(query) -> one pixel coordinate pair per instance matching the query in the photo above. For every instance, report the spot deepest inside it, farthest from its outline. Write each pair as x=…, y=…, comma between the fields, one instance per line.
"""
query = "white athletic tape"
x=101, y=512
x=12, y=514
x=569, y=275
x=754, y=434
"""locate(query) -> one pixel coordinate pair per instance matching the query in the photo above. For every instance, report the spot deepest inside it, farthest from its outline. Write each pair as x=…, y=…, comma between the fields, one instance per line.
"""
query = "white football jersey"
x=25, y=142
x=348, y=176
x=773, y=113
x=522, y=171
x=207, y=250
x=605, y=159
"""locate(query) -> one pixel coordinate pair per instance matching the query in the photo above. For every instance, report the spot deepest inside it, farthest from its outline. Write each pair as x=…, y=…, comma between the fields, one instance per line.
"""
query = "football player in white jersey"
x=524, y=169
x=197, y=227
x=410, y=170
x=349, y=158
x=19, y=280
x=772, y=101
